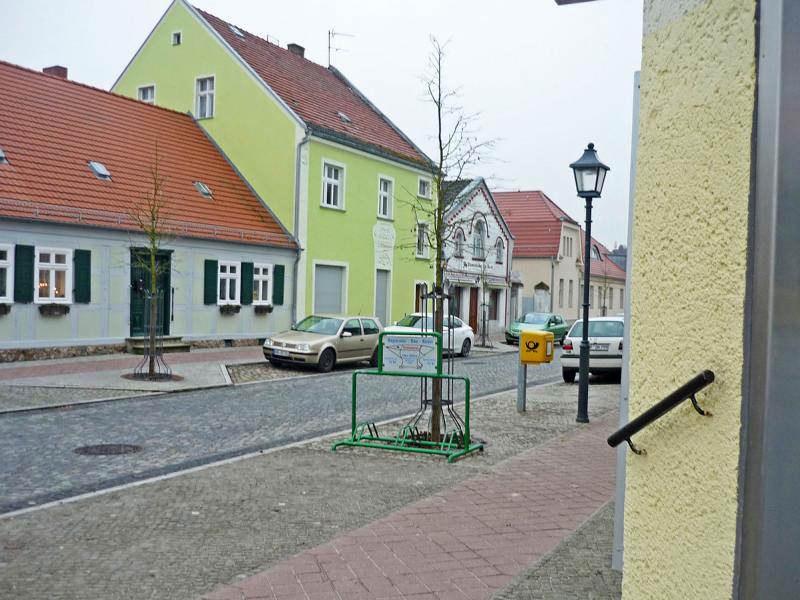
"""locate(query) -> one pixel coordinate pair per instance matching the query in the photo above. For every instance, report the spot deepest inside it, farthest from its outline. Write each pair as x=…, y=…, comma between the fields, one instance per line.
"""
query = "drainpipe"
x=300, y=249
x=552, y=280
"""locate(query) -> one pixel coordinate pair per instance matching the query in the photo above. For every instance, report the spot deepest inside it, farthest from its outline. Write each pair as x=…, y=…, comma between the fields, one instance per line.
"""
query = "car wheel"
x=275, y=363
x=326, y=360
x=465, y=347
x=568, y=375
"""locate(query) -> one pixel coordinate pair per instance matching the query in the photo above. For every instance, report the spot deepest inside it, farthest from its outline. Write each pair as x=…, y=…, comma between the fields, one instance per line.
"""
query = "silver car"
x=323, y=341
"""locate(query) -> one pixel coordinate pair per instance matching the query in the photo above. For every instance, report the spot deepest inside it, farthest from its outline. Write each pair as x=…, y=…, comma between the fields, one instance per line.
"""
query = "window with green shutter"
x=23, y=273
x=247, y=283
x=82, y=260
x=210, y=282
x=277, y=285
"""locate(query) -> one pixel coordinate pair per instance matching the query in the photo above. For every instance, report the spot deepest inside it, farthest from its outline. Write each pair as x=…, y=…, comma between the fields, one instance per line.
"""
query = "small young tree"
x=458, y=149
x=147, y=215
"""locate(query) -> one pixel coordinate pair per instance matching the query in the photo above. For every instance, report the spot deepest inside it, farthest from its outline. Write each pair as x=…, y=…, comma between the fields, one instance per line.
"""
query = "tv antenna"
x=332, y=34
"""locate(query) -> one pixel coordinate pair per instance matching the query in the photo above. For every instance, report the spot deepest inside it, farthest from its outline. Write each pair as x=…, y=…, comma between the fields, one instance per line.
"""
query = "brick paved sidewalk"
x=465, y=543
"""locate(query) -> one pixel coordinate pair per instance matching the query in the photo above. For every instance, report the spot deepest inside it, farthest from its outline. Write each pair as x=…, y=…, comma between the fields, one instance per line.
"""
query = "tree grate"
x=108, y=449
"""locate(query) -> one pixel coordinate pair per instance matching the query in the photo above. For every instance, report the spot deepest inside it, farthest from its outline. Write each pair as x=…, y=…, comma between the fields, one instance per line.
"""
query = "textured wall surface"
x=690, y=245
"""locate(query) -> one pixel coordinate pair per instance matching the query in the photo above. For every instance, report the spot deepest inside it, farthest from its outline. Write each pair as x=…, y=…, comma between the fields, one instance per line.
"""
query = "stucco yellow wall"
x=690, y=246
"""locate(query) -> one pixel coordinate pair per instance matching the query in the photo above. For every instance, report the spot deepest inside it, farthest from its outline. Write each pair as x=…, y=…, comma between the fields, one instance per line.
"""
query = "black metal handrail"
x=685, y=392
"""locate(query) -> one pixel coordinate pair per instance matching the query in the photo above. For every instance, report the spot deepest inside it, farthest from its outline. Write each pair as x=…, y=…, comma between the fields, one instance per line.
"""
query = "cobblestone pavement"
x=178, y=538
x=29, y=396
x=183, y=430
x=578, y=569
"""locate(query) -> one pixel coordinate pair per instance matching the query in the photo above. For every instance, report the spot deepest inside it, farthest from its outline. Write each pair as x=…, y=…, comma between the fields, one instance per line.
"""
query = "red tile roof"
x=50, y=128
x=316, y=94
x=534, y=220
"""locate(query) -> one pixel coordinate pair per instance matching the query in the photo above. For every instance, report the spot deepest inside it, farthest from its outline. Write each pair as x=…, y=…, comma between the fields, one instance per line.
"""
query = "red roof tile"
x=314, y=93
x=50, y=128
x=534, y=220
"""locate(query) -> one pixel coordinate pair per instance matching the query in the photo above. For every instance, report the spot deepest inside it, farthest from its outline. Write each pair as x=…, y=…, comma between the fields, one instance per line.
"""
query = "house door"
x=473, y=309
x=140, y=283
x=382, y=296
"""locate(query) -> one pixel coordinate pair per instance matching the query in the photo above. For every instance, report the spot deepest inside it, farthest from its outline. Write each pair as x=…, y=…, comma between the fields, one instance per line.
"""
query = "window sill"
x=262, y=309
x=418, y=257
x=203, y=118
x=340, y=209
x=229, y=309
x=53, y=309
x=382, y=218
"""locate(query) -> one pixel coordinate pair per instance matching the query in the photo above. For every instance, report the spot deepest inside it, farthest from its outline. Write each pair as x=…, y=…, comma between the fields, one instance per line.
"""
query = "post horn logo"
x=532, y=346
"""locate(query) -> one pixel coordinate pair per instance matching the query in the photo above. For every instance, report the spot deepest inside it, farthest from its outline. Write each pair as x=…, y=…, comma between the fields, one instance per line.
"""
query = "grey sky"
x=545, y=79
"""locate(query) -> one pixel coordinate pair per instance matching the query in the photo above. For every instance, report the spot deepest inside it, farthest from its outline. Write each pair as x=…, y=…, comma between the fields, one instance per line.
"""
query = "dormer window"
x=596, y=253
x=147, y=93
x=204, y=190
x=236, y=30
x=3, y=158
x=99, y=170
x=344, y=117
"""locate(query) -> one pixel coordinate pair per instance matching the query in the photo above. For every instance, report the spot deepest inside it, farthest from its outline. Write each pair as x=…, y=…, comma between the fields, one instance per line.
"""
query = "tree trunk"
x=151, y=371
x=438, y=324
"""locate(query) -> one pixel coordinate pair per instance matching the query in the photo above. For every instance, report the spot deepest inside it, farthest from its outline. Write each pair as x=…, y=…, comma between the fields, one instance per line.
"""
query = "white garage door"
x=328, y=289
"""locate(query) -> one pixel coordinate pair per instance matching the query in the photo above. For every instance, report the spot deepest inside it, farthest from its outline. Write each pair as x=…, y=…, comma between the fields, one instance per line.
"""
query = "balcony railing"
x=686, y=392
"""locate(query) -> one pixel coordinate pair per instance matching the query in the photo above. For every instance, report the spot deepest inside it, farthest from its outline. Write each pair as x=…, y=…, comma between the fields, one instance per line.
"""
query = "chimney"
x=56, y=70
x=296, y=49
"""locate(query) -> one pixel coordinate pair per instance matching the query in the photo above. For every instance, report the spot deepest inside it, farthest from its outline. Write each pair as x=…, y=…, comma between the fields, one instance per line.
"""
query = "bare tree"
x=147, y=215
x=458, y=149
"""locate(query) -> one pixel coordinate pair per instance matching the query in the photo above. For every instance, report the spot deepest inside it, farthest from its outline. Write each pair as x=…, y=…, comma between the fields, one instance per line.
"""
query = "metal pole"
x=522, y=386
x=583, y=383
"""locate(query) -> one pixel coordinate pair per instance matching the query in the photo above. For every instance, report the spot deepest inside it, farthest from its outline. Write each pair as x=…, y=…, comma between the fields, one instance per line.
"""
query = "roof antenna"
x=332, y=34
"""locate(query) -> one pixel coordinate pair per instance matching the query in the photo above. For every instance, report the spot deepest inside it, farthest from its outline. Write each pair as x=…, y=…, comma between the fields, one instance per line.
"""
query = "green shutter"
x=210, y=282
x=82, y=260
x=247, y=283
x=23, y=273
x=277, y=285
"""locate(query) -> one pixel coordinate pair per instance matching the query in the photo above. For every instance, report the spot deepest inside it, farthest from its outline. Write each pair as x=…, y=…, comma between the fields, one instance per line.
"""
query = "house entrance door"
x=140, y=282
x=473, y=309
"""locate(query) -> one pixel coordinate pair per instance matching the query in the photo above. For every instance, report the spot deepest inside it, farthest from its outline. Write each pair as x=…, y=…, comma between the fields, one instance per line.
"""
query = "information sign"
x=411, y=353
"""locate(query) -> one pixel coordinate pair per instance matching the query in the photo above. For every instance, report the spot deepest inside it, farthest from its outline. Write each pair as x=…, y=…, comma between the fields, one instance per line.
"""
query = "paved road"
x=182, y=430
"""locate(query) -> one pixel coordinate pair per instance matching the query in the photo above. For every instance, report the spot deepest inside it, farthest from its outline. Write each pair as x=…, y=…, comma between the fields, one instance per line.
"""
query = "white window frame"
x=212, y=93
x=260, y=278
x=226, y=277
x=480, y=224
x=421, y=226
x=430, y=187
x=340, y=183
x=67, y=267
x=8, y=264
x=345, y=283
x=144, y=87
x=180, y=38
x=389, y=215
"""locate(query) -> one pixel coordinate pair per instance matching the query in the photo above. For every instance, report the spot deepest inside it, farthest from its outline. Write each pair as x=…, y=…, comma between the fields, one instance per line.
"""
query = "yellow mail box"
x=535, y=347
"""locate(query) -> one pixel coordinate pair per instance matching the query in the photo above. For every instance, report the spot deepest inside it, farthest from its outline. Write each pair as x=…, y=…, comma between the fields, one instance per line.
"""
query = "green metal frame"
x=365, y=434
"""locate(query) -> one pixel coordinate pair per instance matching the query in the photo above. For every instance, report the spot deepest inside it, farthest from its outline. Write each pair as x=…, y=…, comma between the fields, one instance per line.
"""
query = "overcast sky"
x=545, y=79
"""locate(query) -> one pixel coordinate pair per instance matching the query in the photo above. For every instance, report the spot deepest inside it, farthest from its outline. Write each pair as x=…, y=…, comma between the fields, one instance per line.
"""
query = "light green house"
x=328, y=163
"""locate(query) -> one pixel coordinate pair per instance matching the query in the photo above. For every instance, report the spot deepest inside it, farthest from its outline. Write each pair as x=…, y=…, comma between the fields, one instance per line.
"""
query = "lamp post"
x=590, y=174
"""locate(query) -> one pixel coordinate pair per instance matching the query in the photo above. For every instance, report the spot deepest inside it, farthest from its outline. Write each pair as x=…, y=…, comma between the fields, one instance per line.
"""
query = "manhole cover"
x=108, y=449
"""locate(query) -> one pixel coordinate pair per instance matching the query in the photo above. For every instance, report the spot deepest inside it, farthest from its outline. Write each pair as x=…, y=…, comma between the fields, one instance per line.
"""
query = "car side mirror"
x=346, y=334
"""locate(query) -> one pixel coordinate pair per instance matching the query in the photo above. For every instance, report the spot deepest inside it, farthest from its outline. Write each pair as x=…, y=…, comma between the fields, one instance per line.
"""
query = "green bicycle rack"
x=417, y=355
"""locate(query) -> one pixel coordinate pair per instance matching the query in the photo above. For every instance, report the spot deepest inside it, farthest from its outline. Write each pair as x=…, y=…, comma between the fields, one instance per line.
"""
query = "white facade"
x=479, y=250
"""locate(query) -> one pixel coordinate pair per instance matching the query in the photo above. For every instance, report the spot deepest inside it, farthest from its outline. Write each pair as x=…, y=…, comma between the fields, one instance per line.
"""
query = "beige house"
x=548, y=260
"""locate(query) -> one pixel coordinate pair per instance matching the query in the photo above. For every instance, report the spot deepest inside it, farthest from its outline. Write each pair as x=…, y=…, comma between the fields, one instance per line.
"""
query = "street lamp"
x=590, y=174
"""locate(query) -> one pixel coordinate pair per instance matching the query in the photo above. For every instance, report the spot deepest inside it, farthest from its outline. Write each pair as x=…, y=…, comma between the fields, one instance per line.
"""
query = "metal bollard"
x=522, y=386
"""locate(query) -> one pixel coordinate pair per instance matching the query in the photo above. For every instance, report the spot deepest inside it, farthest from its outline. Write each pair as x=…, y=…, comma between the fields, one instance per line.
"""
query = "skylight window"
x=344, y=117
x=236, y=30
x=99, y=170
x=3, y=159
x=203, y=189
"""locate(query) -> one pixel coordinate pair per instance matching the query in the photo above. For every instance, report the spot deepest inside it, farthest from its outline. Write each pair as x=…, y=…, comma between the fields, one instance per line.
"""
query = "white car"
x=457, y=336
x=605, y=347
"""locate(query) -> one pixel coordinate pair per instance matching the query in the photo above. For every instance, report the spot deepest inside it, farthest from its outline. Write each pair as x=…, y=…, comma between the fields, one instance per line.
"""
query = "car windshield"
x=534, y=318
x=324, y=325
x=599, y=329
x=415, y=322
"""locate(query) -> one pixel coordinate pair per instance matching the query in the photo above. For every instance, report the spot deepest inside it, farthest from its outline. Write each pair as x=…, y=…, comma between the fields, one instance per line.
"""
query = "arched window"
x=478, y=244
x=459, y=243
x=500, y=249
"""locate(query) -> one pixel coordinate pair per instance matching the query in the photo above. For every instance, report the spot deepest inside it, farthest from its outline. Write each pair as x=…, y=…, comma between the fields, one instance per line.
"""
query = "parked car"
x=457, y=336
x=605, y=347
x=537, y=321
x=323, y=341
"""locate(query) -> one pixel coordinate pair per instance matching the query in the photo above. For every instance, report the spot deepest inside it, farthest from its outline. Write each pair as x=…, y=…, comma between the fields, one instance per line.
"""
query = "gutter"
x=300, y=249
